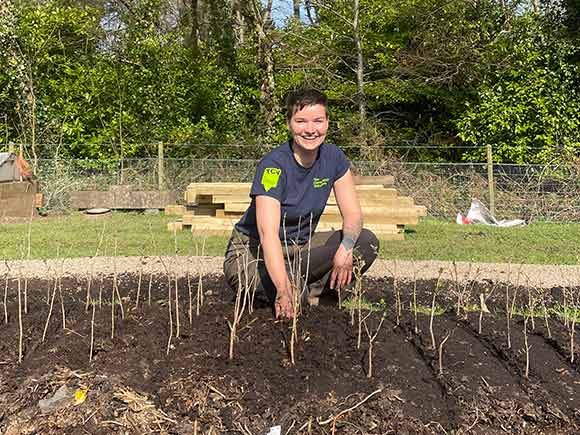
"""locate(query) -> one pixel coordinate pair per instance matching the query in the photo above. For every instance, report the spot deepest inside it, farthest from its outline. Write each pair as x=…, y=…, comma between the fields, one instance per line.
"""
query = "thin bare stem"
x=441, y=352
x=416, y=322
x=199, y=298
x=139, y=282
x=113, y=311
x=48, y=287
x=149, y=288
x=254, y=285
x=298, y=293
x=372, y=338
x=357, y=299
x=190, y=308
x=89, y=282
x=530, y=304
x=20, y=326
x=510, y=308
x=91, y=349
x=170, y=314
x=435, y=292
x=483, y=308
x=508, y=315
x=546, y=320
x=572, y=323
x=28, y=249
x=25, y=295
x=51, y=306
x=88, y=298
x=238, y=310
x=101, y=291
x=178, y=325
x=333, y=419
x=399, y=304
x=63, y=312
x=456, y=285
x=6, y=281
x=116, y=284
x=526, y=348
x=572, y=331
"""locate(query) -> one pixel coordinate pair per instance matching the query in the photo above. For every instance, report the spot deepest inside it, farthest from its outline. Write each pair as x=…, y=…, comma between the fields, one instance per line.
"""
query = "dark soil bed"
x=138, y=382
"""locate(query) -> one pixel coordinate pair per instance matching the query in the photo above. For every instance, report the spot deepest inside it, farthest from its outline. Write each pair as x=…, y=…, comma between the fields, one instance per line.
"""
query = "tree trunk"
x=296, y=9
x=194, y=36
x=310, y=11
x=239, y=22
x=360, y=63
x=261, y=16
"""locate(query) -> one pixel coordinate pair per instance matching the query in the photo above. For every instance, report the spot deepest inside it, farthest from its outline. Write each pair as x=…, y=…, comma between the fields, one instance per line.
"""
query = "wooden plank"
x=366, y=198
x=209, y=222
x=202, y=210
x=229, y=214
x=195, y=189
x=207, y=199
x=379, y=208
x=370, y=196
x=383, y=180
x=208, y=225
x=239, y=193
x=175, y=210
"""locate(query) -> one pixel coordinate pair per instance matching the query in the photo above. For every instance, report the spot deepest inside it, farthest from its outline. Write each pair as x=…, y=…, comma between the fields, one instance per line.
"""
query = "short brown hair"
x=300, y=98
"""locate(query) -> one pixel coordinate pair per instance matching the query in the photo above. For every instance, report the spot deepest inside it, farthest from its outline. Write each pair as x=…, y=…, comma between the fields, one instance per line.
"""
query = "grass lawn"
x=137, y=234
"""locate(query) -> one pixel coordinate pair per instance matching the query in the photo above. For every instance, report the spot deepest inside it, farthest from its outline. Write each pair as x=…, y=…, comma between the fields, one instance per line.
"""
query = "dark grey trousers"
x=244, y=260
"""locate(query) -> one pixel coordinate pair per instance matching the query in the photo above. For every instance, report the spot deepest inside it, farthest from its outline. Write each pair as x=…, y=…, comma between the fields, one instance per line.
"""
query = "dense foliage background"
x=112, y=78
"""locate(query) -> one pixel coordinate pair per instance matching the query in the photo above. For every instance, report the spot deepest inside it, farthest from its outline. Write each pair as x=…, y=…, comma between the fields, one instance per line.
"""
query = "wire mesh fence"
x=520, y=191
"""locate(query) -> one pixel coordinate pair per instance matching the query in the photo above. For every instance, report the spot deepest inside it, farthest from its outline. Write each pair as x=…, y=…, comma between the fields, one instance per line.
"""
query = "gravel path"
x=535, y=275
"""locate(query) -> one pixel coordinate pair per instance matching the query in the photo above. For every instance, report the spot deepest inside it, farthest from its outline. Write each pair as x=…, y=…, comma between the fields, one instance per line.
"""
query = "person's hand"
x=341, y=274
x=283, y=305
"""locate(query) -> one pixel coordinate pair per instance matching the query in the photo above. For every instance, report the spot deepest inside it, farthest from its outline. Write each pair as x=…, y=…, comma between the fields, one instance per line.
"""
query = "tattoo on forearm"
x=350, y=234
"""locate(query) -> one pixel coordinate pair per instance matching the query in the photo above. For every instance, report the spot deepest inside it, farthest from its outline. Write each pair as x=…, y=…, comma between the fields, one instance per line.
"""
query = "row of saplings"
x=568, y=310
x=360, y=310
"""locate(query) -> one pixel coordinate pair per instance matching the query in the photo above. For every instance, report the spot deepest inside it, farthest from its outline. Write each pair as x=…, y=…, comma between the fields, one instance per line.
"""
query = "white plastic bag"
x=479, y=214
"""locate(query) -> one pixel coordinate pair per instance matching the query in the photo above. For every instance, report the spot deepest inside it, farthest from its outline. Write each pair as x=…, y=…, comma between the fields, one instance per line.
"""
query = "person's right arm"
x=268, y=222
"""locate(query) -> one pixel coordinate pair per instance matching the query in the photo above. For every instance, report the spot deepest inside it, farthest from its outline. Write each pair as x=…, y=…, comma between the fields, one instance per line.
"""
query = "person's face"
x=309, y=127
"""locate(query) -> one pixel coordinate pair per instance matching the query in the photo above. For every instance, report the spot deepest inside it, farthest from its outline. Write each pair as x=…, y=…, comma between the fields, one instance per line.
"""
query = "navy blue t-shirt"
x=301, y=191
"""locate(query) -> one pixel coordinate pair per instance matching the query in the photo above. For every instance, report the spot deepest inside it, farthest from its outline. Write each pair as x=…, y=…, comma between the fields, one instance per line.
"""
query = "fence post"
x=160, y=166
x=490, y=182
x=122, y=170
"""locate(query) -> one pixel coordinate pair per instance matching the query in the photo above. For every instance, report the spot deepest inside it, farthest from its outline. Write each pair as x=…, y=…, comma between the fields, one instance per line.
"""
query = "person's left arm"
x=349, y=206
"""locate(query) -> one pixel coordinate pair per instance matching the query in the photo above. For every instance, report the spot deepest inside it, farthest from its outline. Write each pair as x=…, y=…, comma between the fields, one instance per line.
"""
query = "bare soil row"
x=137, y=384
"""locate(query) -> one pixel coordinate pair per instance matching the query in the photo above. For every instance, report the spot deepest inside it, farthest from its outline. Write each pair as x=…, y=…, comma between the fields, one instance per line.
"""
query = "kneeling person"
x=290, y=190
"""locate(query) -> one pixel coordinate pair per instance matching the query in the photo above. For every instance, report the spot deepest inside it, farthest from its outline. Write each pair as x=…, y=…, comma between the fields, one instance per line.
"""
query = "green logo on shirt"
x=270, y=178
x=320, y=182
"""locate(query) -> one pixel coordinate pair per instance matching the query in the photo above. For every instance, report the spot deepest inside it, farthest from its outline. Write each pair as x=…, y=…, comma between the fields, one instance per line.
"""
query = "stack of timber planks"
x=214, y=208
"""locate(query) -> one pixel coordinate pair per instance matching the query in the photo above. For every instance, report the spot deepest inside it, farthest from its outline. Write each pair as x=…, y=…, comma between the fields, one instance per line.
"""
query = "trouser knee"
x=367, y=248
